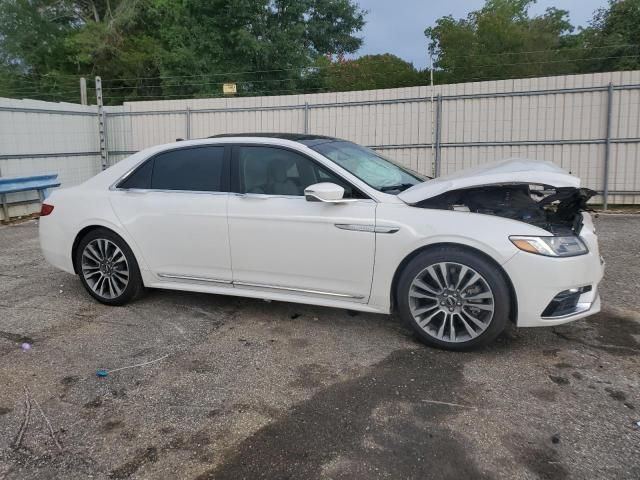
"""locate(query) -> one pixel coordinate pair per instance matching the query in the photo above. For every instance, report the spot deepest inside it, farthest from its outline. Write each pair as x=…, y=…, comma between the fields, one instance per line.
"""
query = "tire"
x=470, y=313
x=107, y=268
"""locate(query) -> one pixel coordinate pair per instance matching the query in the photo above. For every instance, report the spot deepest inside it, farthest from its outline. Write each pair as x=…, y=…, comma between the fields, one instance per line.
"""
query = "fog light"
x=566, y=303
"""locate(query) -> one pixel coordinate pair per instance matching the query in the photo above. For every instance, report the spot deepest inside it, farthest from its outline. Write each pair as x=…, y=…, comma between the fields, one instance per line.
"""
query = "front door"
x=282, y=242
x=174, y=206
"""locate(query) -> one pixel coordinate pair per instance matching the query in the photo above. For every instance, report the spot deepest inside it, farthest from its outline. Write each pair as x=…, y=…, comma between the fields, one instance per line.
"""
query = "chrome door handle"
x=253, y=196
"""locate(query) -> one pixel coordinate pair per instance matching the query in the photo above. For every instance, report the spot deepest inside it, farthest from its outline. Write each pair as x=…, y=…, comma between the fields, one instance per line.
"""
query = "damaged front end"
x=532, y=191
x=555, y=209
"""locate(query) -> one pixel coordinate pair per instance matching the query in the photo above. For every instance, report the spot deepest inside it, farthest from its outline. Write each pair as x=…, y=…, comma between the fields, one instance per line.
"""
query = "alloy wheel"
x=451, y=302
x=105, y=268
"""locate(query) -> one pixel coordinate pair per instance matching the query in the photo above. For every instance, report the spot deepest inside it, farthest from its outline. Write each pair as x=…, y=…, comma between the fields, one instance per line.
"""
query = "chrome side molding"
x=257, y=285
x=194, y=279
x=367, y=228
x=300, y=290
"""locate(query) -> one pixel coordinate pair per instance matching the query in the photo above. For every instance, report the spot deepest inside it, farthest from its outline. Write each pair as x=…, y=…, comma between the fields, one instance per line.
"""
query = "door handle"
x=253, y=196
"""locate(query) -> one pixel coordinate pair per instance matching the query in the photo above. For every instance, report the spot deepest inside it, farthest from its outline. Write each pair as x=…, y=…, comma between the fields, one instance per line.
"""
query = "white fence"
x=588, y=124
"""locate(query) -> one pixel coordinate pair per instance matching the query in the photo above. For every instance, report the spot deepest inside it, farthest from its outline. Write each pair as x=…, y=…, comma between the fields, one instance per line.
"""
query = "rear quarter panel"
x=75, y=209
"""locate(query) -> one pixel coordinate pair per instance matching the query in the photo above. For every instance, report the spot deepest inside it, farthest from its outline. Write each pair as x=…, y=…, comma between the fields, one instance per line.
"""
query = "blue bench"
x=38, y=183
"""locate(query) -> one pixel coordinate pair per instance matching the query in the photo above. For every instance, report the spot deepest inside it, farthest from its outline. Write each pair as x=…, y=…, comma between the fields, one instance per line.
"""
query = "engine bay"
x=556, y=210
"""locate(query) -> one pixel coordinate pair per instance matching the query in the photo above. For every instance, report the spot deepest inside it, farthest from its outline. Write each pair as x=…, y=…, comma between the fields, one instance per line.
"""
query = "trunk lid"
x=504, y=172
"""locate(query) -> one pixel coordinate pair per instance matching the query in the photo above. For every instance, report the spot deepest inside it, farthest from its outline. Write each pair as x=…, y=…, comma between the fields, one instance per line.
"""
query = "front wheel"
x=107, y=268
x=453, y=298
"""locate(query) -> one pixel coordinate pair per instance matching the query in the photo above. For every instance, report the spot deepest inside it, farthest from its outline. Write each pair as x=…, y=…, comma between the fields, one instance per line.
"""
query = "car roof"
x=304, y=138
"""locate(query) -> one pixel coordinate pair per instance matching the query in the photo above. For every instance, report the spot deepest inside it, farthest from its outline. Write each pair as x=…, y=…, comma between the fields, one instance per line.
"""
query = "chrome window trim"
x=266, y=196
x=123, y=177
x=158, y=190
x=298, y=148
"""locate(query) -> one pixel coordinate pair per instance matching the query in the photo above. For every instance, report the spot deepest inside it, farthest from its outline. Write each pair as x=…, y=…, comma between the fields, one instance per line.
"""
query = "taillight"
x=46, y=210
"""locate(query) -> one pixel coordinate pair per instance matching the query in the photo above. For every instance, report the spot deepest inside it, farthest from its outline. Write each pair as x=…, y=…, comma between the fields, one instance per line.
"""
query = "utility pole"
x=83, y=90
x=102, y=125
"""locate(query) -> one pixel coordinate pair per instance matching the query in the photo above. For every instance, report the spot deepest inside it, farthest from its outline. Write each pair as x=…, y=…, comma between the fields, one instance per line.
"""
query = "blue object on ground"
x=102, y=372
x=39, y=183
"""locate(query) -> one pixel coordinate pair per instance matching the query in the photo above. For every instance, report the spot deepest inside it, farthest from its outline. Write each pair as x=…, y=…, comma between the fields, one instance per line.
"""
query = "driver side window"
x=277, y=171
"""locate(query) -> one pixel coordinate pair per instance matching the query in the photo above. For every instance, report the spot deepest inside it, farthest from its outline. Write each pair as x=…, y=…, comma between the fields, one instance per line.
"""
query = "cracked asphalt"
x=253, y=390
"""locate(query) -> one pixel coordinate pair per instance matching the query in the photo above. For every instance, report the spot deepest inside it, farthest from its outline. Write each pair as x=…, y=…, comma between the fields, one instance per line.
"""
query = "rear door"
x=282, y=242
x=174, y=206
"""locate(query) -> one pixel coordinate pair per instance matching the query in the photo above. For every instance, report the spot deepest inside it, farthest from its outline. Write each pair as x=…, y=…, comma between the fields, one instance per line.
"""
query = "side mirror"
x=326, y=192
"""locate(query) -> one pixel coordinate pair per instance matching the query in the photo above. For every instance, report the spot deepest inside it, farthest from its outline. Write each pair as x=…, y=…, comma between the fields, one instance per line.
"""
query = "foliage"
x=141, y=47
x=370, y=72
x=614, y=34
x=501, y=41
x=148, y=49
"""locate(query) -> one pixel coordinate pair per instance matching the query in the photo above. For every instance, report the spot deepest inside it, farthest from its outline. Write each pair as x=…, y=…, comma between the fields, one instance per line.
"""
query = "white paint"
x=510, y=171
x=289, y=249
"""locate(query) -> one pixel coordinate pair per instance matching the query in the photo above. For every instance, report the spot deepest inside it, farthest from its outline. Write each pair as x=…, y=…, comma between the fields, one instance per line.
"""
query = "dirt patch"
x=559, y=380
x=537, y=457
x=16, y=337
x=414, y=444
x=313, y=375
x=142, y=457
x=111, y=425
x=95, y=403
x=618, y=395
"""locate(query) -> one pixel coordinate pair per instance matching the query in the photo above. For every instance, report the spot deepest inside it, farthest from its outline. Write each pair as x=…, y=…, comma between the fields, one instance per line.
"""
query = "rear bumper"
x=55, y=244
x=538, y=279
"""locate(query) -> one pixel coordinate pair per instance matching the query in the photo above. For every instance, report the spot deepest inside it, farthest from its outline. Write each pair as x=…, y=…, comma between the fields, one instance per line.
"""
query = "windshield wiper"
x=400, y=187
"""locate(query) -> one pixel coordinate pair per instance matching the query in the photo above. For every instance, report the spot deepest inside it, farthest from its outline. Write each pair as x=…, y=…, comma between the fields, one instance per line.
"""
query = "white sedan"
x=318, y=220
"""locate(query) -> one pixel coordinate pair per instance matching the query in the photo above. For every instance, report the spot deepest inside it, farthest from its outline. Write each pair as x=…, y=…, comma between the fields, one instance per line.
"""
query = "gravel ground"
x=274, y=390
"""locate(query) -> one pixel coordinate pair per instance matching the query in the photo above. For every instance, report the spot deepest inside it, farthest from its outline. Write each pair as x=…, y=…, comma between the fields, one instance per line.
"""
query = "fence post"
x=436, y=164
x=83, y=90
x=188, y=123
x=306, y=117
x=607, y=149
x=102, y=125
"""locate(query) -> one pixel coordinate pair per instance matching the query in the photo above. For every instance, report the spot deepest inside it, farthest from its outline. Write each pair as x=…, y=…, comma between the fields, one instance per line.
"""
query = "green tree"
x=613, y=37
x=370, y=72
x=161, y=48
x=502, y=41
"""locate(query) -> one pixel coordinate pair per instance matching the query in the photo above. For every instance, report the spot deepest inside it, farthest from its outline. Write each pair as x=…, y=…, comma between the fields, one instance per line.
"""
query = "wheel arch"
x=513, y=298
x=90, y=228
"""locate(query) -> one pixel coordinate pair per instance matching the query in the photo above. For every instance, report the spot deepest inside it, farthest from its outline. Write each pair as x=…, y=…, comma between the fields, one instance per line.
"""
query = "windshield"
x=370, y=167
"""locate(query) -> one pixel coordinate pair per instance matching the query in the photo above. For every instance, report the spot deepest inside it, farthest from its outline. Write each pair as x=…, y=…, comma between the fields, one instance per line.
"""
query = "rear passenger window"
x=140, y=178
x=192, y=169
x=195, y=169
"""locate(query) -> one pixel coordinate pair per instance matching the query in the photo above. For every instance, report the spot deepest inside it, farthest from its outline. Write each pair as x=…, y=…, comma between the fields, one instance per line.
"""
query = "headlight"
x=551, y=246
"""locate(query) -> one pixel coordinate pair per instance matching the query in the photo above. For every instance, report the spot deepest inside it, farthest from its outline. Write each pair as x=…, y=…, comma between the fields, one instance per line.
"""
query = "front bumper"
x=537, y=280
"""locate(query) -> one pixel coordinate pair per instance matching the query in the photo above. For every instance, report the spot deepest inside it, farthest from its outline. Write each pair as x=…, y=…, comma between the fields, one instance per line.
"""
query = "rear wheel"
x=453, y=298
x=107, y=268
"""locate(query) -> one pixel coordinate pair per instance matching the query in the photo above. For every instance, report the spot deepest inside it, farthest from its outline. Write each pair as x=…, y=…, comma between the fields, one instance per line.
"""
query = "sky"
x=397, y=26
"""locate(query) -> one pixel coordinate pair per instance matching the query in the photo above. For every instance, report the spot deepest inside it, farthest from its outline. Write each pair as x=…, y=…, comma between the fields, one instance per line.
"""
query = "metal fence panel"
x=563, y=119
x=42, y=137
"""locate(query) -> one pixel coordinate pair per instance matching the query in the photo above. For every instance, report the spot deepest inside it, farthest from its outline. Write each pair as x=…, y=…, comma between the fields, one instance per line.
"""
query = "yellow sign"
x=229, y=88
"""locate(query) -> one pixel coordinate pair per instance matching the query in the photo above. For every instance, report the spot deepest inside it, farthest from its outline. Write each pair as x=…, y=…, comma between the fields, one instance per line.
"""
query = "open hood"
x=504, y=172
